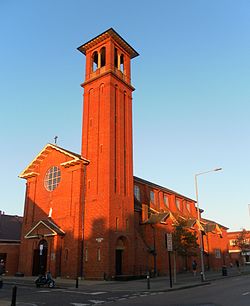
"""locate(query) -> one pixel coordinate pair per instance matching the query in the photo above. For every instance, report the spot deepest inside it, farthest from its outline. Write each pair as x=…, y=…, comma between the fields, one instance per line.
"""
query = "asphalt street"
x=233, y=291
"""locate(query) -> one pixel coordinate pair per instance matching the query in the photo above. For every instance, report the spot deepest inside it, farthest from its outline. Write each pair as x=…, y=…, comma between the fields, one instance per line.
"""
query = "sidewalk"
x=183, y=280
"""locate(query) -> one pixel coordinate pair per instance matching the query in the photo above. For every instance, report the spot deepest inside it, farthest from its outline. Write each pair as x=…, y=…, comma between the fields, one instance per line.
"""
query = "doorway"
x=40, y=258
x=118, y=262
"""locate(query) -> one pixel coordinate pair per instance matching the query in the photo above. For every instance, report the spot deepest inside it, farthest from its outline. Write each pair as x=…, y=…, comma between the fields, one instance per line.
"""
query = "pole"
x=200, y=233
x=148, y=280
x=170, y=269
x=154, y=254
x=13, y=301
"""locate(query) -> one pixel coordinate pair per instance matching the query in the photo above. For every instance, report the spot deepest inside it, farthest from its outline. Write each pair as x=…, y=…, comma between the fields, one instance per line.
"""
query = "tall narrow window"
x=94, y=61
x=116, y=223
x=98, y=254
x=137, y=192
x=116, y=58
x=103, y=56
x=86, y=254
x=152, y=197
x=166, y=200
x=127, y=224
x=122, y=63
x=178, y=204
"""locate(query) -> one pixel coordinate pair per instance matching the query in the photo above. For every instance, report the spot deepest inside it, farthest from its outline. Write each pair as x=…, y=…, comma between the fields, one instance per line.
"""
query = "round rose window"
x=52, y=178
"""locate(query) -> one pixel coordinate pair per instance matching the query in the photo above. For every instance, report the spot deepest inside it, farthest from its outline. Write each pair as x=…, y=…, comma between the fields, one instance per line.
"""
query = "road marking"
x=81, y=292
x=44, y=291
x=96, y=301
x=79, y=304
x=246, y=293
x=97, y=293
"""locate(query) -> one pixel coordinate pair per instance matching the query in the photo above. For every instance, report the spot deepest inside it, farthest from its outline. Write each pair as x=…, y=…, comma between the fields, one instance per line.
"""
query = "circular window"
x=52, y=178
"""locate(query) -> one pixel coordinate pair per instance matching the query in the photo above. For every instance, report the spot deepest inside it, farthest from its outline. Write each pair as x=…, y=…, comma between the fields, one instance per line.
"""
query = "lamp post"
x=203, y=278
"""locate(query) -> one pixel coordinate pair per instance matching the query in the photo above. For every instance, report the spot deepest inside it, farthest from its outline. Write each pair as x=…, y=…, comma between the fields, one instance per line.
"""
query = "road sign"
x=169, y=242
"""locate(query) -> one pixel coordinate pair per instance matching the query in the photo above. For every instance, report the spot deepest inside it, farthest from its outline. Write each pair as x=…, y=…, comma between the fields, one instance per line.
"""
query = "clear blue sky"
x=191, y=106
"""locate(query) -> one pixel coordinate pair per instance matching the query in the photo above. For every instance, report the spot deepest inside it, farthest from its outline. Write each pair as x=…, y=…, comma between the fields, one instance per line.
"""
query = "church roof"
x=108, y=33
x=75, y=159
x=10, y=228
x=153, y=185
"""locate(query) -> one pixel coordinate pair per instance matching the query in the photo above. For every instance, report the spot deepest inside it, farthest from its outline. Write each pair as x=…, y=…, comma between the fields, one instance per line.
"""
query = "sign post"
x=169, y=246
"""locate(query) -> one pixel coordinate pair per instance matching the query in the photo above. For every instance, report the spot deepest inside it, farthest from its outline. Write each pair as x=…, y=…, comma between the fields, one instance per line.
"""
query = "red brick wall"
x=66, y=202
x=107, y=143
x=12, y=251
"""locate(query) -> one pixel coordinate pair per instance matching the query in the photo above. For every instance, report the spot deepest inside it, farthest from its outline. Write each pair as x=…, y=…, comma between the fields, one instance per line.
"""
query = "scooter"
x=45, y=281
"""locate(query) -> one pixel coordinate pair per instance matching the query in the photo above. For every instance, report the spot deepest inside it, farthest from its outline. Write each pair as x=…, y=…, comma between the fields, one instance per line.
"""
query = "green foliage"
x=242, y=240
x=184, y=240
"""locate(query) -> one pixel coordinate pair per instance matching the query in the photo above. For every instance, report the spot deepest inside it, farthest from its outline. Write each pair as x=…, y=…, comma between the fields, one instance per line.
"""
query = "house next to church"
x=86, y=214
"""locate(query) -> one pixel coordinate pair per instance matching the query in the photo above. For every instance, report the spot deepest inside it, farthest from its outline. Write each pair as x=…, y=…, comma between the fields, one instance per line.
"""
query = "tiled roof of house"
x=10, y=228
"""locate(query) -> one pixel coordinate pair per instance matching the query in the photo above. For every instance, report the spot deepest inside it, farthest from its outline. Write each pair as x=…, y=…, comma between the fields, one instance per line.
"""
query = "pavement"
x=155, y=284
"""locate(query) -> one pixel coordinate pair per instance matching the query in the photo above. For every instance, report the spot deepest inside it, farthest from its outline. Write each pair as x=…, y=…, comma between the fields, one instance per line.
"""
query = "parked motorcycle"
x=45, y=281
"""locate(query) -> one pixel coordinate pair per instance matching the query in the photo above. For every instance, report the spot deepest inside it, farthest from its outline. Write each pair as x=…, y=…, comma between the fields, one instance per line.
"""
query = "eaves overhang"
x=103, y=36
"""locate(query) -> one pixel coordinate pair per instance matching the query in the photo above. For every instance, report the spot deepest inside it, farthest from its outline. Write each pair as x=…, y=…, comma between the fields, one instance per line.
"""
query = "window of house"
x=232, y=242
x=178, y=203
x=127, y=225
x=137, y=192
x=103, y=56
x=152, y=196
x=122, y=63
x=52, y=178
x=188, y=206
x=86, y=254
x=116, y=223
x=94, y=61
x=217, y=253
x=166, y=200
x=116, y=58
x=3, y=256
x=98, y=254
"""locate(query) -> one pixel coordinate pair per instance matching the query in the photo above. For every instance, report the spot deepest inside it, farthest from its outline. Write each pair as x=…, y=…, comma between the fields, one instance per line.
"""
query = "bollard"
x=148, y=281
x=202, y=279
x=77, y=282
x=13, y=301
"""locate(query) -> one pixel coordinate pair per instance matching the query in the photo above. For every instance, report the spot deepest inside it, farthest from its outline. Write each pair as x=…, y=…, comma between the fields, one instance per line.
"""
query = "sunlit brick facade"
x=87, y=215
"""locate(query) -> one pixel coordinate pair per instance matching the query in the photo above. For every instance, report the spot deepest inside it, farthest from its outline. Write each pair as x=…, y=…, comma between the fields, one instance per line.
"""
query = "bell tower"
x=107, y=144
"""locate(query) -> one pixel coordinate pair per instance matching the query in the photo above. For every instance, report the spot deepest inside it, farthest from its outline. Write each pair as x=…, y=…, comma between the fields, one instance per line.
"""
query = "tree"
x=184, y=241
x=242, y=241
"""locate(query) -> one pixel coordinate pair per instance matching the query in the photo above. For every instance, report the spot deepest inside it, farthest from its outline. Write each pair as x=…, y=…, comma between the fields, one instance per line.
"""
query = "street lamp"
x=199, y=219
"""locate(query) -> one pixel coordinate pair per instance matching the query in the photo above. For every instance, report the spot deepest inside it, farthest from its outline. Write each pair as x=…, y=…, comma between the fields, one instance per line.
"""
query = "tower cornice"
x=110, y=71
x=106, y=34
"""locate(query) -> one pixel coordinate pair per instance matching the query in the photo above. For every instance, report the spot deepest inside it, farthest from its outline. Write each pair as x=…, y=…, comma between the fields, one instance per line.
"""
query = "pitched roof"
x=76, y=159
x=108, y=33
x=44, y=228
x=213, y=223
x=164, y=189
x=10, y=228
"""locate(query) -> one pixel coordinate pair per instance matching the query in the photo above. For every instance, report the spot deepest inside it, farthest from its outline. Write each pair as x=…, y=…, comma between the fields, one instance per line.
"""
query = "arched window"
x=116, y=58
x=94, y=61
x=103, y=56
x=122, y=63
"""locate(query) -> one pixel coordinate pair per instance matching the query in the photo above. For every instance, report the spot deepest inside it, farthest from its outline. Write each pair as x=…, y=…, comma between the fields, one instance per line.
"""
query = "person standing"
x=194, y=267
x=2, y=271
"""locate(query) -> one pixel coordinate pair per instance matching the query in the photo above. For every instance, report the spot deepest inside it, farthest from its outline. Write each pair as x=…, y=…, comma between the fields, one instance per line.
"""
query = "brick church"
x=86, y=215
